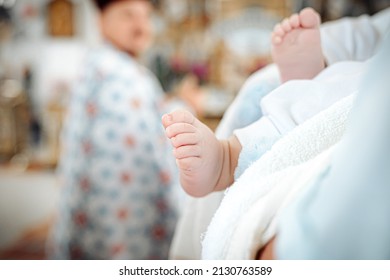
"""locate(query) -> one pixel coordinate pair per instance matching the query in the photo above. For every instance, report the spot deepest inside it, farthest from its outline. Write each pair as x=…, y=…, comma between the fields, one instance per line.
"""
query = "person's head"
x=126, y=24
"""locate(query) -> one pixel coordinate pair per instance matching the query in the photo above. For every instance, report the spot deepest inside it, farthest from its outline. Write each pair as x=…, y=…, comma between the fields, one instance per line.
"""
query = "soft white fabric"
x=344, y=213
x=296, y=101
x=355, y=39
x=304, y=143
x=293, y=103
x=258, y=224
x=245, y=108
x=192, y=224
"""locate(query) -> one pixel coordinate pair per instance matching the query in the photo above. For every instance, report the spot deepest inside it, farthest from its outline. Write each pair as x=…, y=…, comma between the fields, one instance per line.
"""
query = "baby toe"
x=278, y=30
x=286, y=25
x=294, y=21
x=309, y=18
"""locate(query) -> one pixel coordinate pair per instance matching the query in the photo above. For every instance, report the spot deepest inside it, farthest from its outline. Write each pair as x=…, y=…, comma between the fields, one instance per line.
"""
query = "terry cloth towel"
x=305, y=151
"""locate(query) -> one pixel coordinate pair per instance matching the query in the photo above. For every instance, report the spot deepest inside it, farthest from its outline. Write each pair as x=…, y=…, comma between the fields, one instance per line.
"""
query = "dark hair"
x=102, y=4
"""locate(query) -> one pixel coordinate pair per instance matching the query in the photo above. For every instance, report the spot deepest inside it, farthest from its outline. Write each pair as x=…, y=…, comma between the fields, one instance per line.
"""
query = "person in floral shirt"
x=117, y=171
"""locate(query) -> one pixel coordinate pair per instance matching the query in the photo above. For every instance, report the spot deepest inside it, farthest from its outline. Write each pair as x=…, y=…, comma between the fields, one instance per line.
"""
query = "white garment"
x=293, y=103
x=241, y=224
x=355, y=39
x=298, y=100
x=344, y=213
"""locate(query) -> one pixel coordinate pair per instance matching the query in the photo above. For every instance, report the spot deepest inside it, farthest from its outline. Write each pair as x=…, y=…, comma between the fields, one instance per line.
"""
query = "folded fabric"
x=293, y=103
x=257, y=226
x=267, y=179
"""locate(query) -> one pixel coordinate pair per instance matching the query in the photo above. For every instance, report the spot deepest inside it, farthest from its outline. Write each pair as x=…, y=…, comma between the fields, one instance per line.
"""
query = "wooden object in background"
x=14, y=116
x=228, y=8
x=60, y=18
x=32, y=244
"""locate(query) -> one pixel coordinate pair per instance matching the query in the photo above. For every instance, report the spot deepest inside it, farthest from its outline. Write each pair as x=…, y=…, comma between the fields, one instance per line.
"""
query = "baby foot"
x=198, y=153
x=296, y=46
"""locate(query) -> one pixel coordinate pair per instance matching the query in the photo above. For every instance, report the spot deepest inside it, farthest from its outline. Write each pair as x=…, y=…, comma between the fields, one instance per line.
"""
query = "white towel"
x=224, y=238
x=258, y=225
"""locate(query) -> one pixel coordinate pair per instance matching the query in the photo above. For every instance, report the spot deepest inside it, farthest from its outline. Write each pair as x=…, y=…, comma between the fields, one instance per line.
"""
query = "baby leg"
x=296, y=46
x=199, y=155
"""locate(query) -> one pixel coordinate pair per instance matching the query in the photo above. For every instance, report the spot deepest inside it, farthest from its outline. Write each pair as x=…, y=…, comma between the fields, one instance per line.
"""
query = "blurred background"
x=204, y=49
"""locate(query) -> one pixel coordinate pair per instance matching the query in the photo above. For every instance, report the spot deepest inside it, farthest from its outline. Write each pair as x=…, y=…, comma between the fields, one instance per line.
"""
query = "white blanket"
x=248, y=213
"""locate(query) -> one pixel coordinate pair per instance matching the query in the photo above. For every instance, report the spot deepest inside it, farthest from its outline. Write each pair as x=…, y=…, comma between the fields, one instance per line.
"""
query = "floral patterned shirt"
x=116, y=169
